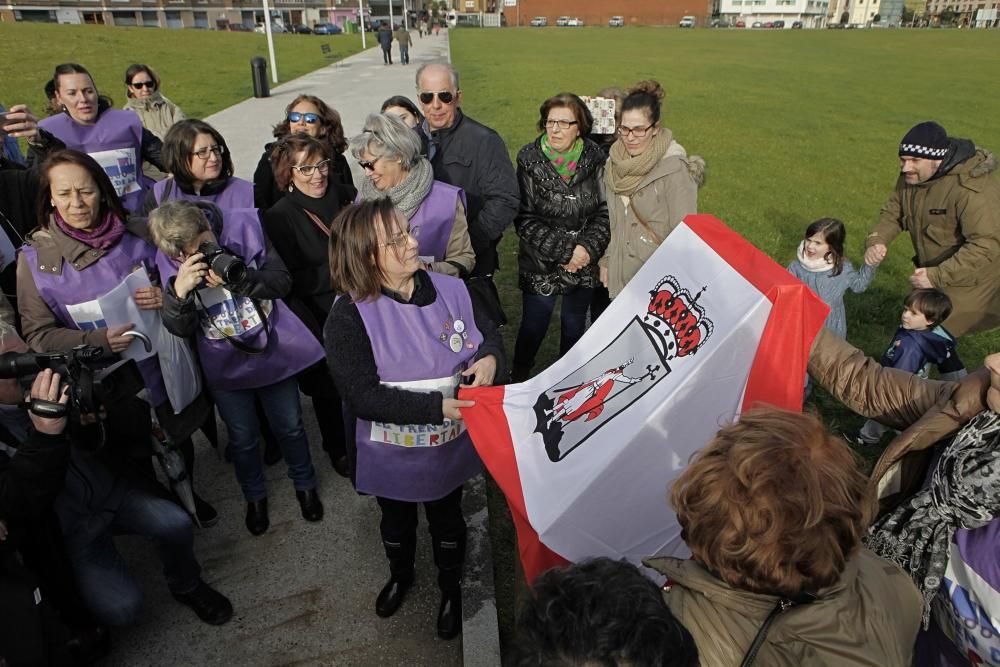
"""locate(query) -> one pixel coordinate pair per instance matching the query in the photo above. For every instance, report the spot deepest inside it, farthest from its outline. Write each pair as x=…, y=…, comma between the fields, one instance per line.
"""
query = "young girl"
x=821, y=265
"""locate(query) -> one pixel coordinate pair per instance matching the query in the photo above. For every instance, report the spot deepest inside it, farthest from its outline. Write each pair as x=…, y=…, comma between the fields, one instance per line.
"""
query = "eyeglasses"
x=310, y=118
x=399, y=240
x=204, y=153
x=369, y=165
x=637, y=132
x=139, y=85
x=446, y=97
x=307, y=170
x=561, y=124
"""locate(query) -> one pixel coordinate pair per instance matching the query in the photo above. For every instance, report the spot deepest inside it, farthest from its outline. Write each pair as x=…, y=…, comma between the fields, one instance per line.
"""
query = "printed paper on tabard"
x=600, y=435
x=120, y=166
x=119, y=307
x=602, y=109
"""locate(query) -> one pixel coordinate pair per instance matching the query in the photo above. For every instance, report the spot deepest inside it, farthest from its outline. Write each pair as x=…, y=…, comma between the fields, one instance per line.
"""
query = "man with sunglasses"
x=469, y=155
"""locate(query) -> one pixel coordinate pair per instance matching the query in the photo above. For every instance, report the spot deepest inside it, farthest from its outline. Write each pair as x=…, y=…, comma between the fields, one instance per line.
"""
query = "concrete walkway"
x=304, y=593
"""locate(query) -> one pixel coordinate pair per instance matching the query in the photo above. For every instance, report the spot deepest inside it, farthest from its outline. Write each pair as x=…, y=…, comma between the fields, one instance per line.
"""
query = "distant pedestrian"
x=437, y=28
x=821, y=265
x=405, y=40
x=385, y=41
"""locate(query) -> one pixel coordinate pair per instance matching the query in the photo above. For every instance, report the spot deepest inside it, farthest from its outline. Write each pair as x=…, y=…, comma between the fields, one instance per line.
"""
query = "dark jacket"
x=18, y=193
x=385, y=38
x=556, y=216
x=473, y=157
x=31, y=480
x=266, y=192
x=352, y=362
x=302, y=245
x=911, y=350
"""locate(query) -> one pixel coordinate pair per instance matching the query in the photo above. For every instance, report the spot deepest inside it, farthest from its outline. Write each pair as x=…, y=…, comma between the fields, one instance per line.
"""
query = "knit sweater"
x=831, y=289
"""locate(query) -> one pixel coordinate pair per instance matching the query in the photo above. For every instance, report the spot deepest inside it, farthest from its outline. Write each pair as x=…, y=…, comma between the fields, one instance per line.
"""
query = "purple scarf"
x=105, y=235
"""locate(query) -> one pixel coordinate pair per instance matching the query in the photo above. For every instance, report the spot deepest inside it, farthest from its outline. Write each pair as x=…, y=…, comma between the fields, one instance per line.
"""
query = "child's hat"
x=925, y=140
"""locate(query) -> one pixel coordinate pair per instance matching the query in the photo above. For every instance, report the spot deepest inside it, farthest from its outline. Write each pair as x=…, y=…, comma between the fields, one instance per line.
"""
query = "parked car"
x=301, y=29
x=687, y=22
x=275, y=27
x=562, y=21
x=768, y=24
x=778, y=24
x=720, y=23
x=327, y=29
x=740, y=24
x=616, y=22
x=796, y=25
x=574, y=23
x=539, y=22
x=239, y=27
x=756, y=24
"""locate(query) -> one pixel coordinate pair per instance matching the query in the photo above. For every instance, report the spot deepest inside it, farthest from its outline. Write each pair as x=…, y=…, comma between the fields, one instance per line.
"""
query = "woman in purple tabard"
x=399, y=343
x=251, y=346
x=299, y=228
x=197, y=158
x=389, y=153
x=83, y=248
x=115, y=139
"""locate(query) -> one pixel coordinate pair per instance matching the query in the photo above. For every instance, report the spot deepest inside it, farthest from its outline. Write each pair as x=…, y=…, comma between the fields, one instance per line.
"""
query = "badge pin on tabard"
x=459, y=326
x=455, y=342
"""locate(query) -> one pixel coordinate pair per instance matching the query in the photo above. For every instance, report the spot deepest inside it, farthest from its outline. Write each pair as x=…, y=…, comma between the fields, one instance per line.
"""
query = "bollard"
x=258, y=73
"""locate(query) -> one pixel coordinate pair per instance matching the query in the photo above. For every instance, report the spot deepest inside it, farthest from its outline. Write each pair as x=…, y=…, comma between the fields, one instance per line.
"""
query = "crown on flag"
x=676, y=319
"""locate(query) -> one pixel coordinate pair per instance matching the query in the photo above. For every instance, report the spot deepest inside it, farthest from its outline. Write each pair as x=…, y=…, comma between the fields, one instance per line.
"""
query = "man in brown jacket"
x=948, y=198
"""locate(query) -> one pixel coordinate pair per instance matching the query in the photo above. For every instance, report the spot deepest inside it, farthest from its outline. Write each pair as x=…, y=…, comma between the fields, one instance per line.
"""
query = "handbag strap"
x=319, y=223
x=783, y=605
x=635, y=214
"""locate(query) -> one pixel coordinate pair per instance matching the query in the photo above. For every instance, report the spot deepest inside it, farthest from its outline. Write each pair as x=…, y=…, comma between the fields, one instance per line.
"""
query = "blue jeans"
x=102, y=574
x=404, y=55
x=284, y=413
x=536, y=311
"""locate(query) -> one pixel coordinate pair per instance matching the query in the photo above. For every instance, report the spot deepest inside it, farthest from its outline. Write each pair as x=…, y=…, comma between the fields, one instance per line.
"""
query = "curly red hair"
x=774, y=504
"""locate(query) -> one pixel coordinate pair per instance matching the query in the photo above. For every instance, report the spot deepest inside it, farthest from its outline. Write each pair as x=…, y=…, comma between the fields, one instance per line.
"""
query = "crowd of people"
x=128, y=234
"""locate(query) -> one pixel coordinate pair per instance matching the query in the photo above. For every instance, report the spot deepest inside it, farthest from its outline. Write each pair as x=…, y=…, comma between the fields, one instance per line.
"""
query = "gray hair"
x=452, y=73
x=385, y=136
x=176, y=224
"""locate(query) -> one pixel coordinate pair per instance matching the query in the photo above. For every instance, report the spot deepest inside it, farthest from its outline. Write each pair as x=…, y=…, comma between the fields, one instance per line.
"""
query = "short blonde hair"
x=175, y=224
x=774, y=504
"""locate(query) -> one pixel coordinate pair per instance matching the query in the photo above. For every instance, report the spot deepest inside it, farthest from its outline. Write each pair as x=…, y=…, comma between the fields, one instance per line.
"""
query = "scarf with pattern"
x=565, y=163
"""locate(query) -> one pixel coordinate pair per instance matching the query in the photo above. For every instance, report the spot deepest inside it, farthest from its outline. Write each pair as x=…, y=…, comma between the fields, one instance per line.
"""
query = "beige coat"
x=667, y=194
x=954, y=224
x=869, y=618
x=158, y=114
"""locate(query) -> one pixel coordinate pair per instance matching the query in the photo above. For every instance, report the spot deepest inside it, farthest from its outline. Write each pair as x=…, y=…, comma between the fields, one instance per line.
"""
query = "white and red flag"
x=586, y=451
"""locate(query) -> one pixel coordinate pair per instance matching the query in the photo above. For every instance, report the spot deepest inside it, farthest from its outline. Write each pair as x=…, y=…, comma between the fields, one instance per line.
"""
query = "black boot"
x=400, y=556
x=449, y=556
x=257, y=520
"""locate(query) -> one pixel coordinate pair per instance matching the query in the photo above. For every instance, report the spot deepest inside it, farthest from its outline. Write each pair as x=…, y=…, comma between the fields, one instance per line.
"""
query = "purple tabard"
x=115, y=142
x=435, y=217
x=290, y=346
x=76, y=287
x=237, y=194
x=418, y=463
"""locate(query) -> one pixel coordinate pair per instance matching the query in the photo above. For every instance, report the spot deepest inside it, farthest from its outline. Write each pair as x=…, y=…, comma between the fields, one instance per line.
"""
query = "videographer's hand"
x=149, y=298
x=48, y=387
x=189, y=275
x=116, y=340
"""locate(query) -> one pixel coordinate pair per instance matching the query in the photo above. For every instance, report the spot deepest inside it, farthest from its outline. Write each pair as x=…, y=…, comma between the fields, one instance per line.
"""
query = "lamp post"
x=270, y=42
x=361, y=22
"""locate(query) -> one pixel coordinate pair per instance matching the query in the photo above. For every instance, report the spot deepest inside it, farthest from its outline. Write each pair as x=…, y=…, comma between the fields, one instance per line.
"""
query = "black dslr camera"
x=91, y=383
x=226, y=265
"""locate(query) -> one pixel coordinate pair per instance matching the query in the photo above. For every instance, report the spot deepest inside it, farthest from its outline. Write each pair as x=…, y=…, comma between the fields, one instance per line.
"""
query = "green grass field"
x=794, y=125
x=202, y=71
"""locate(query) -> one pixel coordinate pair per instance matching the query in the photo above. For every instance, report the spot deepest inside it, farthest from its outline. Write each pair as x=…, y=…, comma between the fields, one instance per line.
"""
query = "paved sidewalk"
x=304, y=593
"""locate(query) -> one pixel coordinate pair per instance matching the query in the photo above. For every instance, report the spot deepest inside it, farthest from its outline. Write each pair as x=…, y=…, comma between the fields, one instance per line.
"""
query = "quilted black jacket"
x=555, y=217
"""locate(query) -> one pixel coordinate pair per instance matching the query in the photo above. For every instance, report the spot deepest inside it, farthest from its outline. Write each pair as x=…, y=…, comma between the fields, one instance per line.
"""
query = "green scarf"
x=564, y=163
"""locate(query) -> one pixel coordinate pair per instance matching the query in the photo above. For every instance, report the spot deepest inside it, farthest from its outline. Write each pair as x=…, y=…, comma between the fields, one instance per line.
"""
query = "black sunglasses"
x=139, y=85
x=446, y=97
x=369, y=165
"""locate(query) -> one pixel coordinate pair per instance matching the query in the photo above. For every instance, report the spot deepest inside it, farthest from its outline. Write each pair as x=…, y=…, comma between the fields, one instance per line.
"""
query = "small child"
x=919, y=342
x=821, y=265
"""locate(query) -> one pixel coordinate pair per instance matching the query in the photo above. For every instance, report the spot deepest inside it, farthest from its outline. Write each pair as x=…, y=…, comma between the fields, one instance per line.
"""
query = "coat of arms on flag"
x=586, y=451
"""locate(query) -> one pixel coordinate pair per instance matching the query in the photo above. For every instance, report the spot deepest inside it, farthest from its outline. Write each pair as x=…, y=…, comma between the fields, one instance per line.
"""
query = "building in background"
x=598, y=12
x=811, y=13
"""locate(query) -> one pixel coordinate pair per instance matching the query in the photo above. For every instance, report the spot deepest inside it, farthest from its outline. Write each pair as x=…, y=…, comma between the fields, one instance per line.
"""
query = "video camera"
x=91, y=383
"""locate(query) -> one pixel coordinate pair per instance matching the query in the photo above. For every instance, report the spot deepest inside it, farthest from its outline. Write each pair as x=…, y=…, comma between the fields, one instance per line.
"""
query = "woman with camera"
x=310, y=115
x=399, y=343
x=201, y=169
x=562, y=223
x=115, y=139
x=83, y=248
x=224, y=285
x=299, y=227
x=389, y=153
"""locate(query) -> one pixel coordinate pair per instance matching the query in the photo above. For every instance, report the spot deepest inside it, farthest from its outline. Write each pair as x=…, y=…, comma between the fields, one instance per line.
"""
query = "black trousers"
x=447, y=528
x=31, y=632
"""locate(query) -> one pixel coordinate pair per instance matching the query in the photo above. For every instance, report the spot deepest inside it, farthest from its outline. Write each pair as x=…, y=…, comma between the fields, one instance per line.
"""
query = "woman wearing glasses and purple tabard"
x=201, y=169
x=389, y=153
x=115, y=139
x=310, y=115
x=299, y=229
x=562, y=223
x=651, y=185
x=157, y=113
